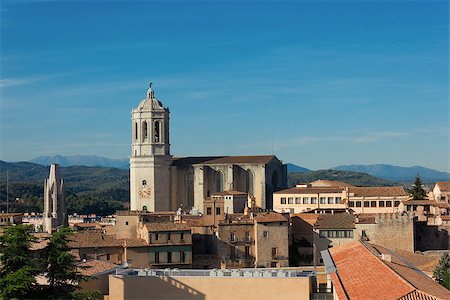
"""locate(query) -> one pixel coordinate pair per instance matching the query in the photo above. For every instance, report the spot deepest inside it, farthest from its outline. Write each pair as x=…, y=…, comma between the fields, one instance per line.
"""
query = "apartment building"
x=375, y=199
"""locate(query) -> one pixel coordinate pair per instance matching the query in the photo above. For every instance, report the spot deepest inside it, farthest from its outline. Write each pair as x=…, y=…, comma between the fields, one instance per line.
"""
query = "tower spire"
x=150, y=92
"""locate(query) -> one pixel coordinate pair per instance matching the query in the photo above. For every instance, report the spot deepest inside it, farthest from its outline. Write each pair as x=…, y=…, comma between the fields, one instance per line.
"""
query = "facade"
x=160, y=182
x=441, y=192
x=222, y=203
x=255, y=239
x=303, y=199
x=376, y=199
x=54, y=200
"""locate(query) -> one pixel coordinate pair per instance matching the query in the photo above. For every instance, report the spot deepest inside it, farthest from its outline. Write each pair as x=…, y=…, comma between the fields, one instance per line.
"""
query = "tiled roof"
x=335, y=221
x=445, y=217
x=314, y=190
x=96, y=238
x=269, y=217
x=94, y=267
x=41, y=241
x=228, y=193
x=420, y=202
x=386, y=191
x=330, y=183
x=412, y=274
x=444, y=186
x=362, y=274
x=167, y=226
x=311, y=219
x=257, y=159
x=424, y=262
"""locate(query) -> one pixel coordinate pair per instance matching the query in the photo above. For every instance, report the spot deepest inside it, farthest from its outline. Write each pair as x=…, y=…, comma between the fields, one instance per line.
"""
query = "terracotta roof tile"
x=308, y=218
x=167, y=226
x=94, y=267
x=444, y=186
x=420, y=202
x=256, y=159
x=269, y=217
x=330, y=183
x=228, y=193
x=335, y=221
x=387, y=191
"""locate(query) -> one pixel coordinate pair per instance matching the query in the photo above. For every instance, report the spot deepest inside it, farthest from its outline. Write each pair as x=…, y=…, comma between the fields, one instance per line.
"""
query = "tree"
x=17, y=268
x=62, y=273
x=417, y=192
x=442, y=271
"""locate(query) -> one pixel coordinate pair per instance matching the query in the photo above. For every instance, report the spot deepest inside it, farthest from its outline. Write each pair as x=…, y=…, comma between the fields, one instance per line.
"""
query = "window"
x=323, y=200
x=273, y=264
x=283, y=200
x=274, y=252
x=182, y=236
x=298, y=200
x=144, y=208
x=396, y=203
x=144, y=132
x=388, y=203
x=232, y=253
x=157, y=132
x=290, y=200
x=330, y=200
x=305, y=200
x=156, y=257
x=373, y=203
x=126, y=223
x=247, y=251
x=208, y=210
x=108, y=256
x=168, y=236
x=182, y=256
x=232, y=237
x=381, y=203
x=366, y=203
x=156, y=236
x=247, y=236
x=144, y=182
x=265, y=234
x=169, y=257
x=313, y=200
x=358, y=203
x=338, y=200
x=217, y=210
x=363, y=233
x=351, y=203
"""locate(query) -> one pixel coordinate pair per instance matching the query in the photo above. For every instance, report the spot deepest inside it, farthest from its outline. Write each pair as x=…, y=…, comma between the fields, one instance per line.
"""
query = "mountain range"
x=384, y=171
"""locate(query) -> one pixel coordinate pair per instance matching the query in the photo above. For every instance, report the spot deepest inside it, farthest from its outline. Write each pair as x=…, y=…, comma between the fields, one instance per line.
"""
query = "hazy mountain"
x=82, y=160
x=396, y=173
x=353, y=178
x=291, y=168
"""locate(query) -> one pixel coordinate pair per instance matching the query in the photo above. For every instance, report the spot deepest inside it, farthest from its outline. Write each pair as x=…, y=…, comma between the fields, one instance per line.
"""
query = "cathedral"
x=162, y=182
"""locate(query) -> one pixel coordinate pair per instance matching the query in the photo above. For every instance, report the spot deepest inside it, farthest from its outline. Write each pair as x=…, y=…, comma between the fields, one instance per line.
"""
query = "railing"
x=246, y=273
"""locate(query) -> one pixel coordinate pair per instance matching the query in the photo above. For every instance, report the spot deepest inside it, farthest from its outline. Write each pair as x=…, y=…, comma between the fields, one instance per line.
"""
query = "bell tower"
x=150, y=159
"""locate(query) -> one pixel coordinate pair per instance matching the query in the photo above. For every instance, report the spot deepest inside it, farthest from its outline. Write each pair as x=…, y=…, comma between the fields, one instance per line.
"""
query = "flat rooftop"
x=232, y=273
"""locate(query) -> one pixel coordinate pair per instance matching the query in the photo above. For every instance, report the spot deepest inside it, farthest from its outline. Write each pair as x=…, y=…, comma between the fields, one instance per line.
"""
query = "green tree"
x=17, y=267
x=442, y=271
x=417, y=192
x=62, y=273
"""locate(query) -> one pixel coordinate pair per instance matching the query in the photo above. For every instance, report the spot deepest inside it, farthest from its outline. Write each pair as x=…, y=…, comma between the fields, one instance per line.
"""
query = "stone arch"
x=250, y=186
x=219, y=181
x=157, y=132
x=145, y=131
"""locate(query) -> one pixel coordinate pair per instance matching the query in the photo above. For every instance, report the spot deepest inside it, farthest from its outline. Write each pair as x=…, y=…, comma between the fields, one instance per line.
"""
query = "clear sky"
x=319, y=83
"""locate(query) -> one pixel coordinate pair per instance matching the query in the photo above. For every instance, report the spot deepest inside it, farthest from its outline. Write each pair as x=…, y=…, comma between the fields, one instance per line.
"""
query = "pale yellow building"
x=375, y=200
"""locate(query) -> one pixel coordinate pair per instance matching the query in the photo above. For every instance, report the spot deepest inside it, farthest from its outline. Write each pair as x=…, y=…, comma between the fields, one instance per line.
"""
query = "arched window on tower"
x=249, y=183
x=144, y=183
x=145, y=131
x=157, y=132
x=219, y=181
x=135, y=131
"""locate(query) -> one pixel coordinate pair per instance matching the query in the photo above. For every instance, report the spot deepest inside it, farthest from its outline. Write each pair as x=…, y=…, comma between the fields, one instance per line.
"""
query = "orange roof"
x=269, y=217
x=311, y=190
x=255, y=159
x=362, y=274
x=308, y=218
x=385, y=191
x=228, y=193
x=444, y=186
x=167, y=226
x=330, y=183
x=95, y=267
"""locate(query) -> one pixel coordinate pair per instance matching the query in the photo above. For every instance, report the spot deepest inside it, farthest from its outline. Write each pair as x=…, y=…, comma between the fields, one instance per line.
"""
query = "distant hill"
x=399, y=174
x=291, y=168
x=82, y=160
x=354, y=178
x=99, y=190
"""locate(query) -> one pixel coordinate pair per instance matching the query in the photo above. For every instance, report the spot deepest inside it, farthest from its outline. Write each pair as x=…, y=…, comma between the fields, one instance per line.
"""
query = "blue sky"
x=319, y=84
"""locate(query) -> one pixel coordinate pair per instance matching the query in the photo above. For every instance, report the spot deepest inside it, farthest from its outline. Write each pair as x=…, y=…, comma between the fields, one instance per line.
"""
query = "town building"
x=307, y=198
x=254, y=240
x=441, y=191
x=375, y=199
x=222, y=203
x=161, y=182
x=360, y=270
x=54, y=200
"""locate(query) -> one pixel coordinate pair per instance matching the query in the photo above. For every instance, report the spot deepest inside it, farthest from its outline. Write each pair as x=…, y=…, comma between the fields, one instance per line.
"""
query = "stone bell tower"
x=150, y=159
